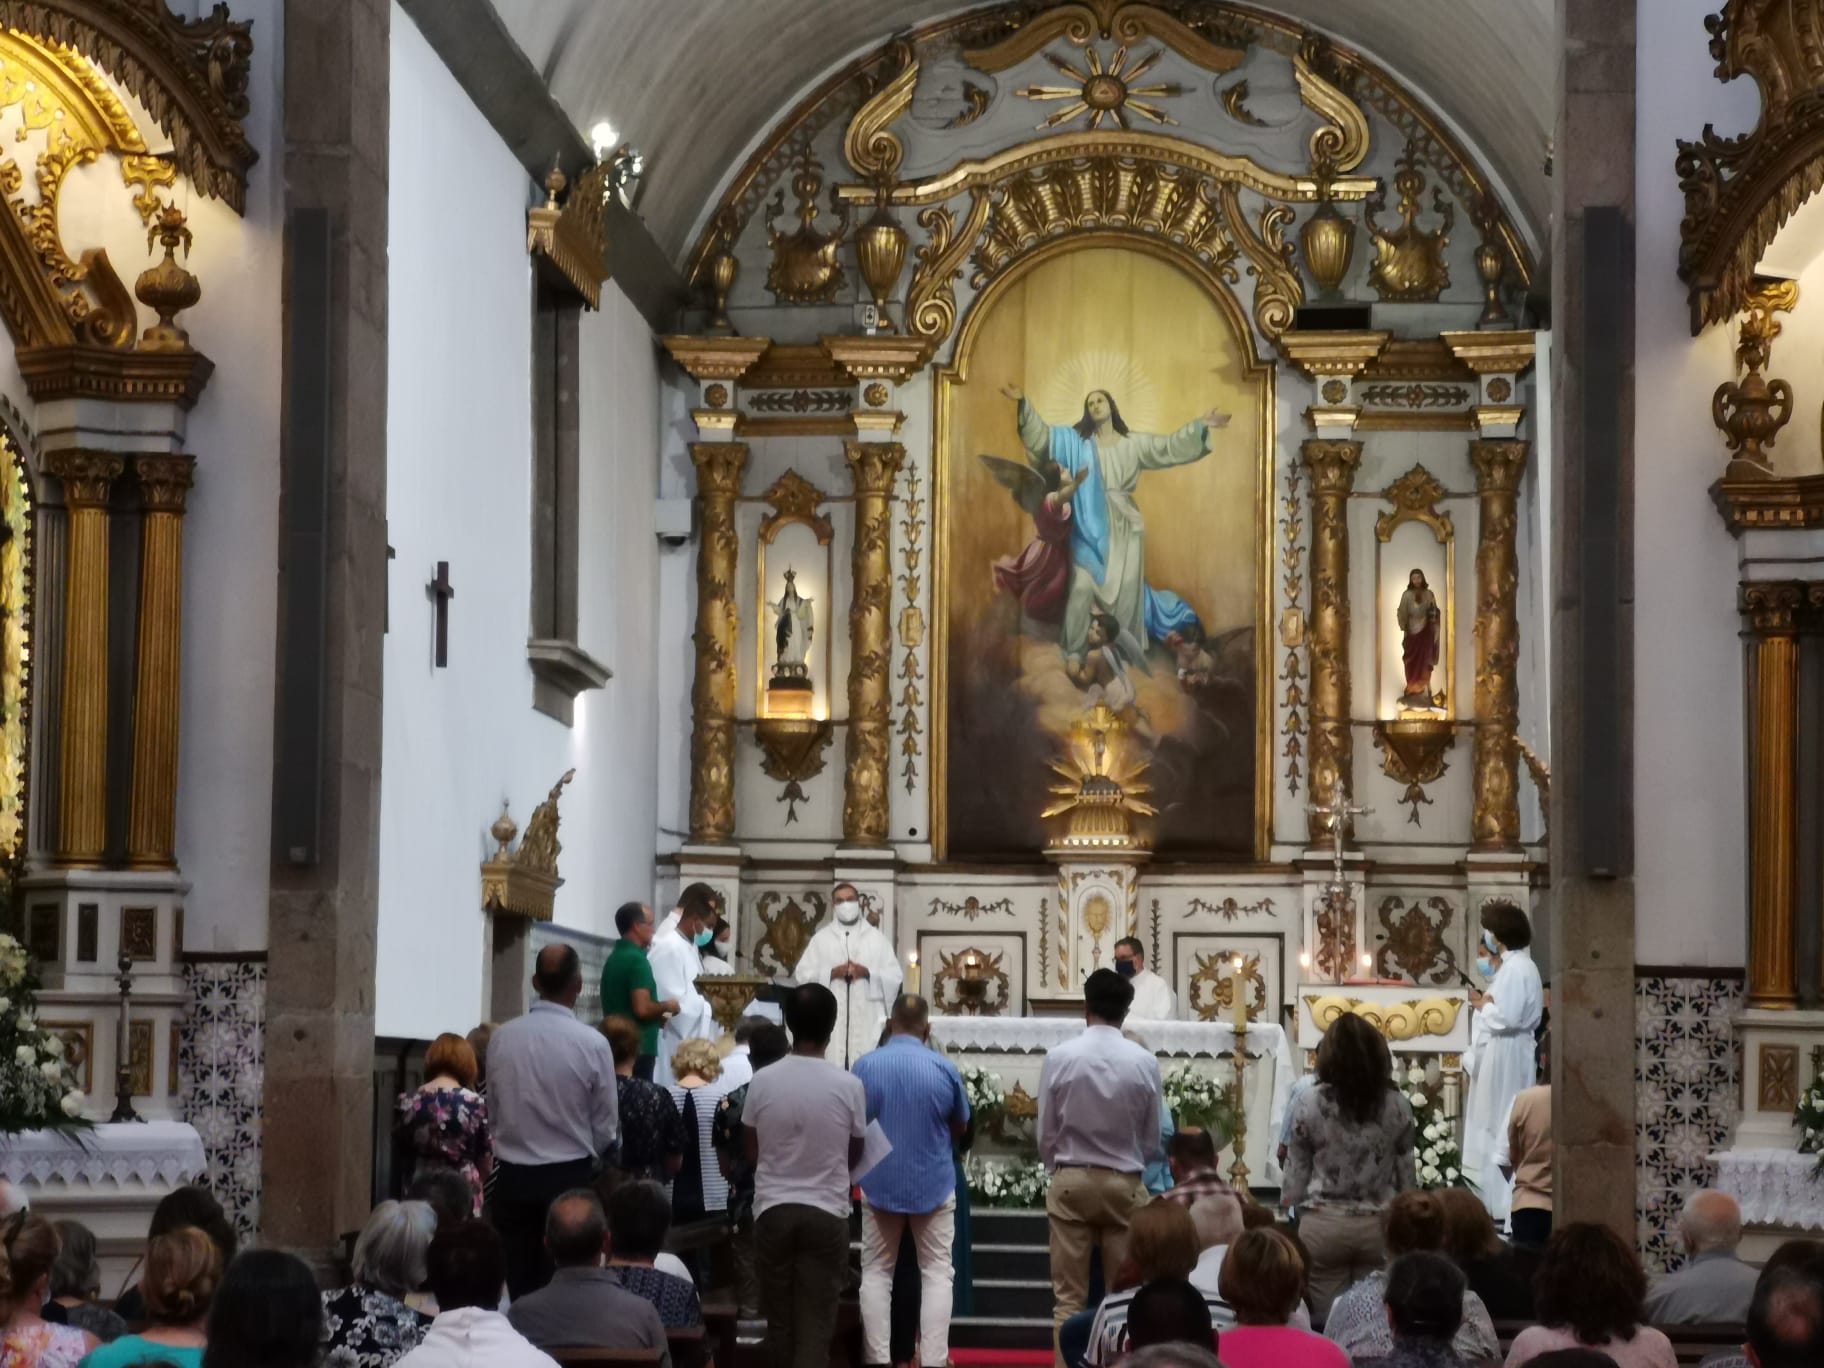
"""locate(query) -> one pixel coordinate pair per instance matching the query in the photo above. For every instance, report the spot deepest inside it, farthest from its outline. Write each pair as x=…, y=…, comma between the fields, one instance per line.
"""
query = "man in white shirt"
x=802, y=1127
x=738, y=1067
x=858, y=964
x=1153, y=997
x=1099, y=1104
x=466, y=1269
x=676, y=957
x=552, y=1101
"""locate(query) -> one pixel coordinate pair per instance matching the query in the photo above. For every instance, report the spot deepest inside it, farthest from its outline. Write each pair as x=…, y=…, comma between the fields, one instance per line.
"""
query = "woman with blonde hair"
x=1263, y=1281
x=183, y=1269
x=443, y=1123
x=1161, y=1243
x=699, y=1190
x=28, y=1249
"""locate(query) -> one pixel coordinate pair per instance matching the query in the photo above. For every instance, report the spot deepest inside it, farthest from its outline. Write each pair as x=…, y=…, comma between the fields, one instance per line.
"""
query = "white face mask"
x=848, y=912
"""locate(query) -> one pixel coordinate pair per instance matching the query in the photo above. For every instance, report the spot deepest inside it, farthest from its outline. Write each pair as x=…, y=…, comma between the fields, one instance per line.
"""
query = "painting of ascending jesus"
x=1101, y=545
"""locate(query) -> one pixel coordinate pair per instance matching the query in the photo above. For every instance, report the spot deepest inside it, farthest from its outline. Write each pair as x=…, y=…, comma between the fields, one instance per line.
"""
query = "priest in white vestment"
x=857, y=963
x=1153, y=997
x=676, y=957
x=1501, y=1058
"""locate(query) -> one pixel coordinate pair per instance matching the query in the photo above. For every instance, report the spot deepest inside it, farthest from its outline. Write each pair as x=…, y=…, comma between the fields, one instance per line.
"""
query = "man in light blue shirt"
x=917, y=1097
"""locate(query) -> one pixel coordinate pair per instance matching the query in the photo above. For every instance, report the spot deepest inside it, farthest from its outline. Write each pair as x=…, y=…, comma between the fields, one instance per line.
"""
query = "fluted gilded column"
x=164, y=482
x=1495, y=824
x=864, y=780
x=1330, y=750
x=712, y=695
x=82, y=823
x=1773, y=808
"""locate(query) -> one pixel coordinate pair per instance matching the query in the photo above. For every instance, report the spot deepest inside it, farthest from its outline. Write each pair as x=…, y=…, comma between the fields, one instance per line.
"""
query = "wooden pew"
x=596, y=1358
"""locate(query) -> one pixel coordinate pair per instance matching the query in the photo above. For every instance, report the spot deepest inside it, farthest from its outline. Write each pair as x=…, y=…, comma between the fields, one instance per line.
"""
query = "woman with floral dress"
x=367, y=1324
x=28, y=1248
x=444, y=1122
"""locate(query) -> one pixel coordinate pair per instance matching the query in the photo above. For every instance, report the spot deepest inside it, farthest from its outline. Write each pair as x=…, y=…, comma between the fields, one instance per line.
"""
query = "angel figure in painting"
x=792, y=627
x=1420, y=628
x=1107, y=533
x=1040, y=575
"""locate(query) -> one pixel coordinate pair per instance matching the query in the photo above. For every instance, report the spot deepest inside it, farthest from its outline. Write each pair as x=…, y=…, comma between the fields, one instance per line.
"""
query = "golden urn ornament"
x=880, y=248
x=1409, y=266
x=167, y=288
x=1751, y=411
x=1328, y=240
x=805, y=268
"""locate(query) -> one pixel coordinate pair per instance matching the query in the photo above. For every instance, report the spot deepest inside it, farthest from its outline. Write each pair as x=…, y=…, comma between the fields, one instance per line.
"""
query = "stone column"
x=864, y=779
x=712, y=695
x=316, y=1165
x=1331, y=751
x=82, y=825
x=1592, y=908
x=152, y=817
x=1496, y=783
x=1773, y=800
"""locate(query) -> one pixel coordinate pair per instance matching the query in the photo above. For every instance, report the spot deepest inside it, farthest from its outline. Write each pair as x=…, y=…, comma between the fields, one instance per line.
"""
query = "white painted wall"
x=460, y=740
x=1690, y=849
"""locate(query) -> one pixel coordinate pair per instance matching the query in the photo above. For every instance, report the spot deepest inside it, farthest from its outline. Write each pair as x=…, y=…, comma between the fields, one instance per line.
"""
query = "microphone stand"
x=848, y=1000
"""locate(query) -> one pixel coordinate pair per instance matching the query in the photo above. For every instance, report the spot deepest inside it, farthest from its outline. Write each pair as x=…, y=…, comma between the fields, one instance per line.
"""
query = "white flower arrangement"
x=37, y=1083
x=1439, y=1155
x=1196, y=1098
x=1808, y=1116
x=1016, y=1183
x=987, y=1095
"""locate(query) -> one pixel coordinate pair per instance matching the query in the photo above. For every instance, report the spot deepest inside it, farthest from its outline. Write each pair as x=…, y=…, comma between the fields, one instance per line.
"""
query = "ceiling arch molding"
x=190, y=74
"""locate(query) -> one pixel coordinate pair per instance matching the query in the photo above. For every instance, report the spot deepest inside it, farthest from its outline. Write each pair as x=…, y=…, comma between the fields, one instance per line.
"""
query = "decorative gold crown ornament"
x=805, y=267
x=1409, y=265
x=1751, y=411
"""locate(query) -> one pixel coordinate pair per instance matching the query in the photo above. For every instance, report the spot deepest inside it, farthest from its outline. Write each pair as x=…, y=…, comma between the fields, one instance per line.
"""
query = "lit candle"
x=1239, y=1001
x=1304, y=959
x=1367, y=965
x=912, y=972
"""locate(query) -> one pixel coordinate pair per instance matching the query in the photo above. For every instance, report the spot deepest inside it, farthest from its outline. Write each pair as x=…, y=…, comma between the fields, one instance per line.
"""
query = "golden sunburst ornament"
x=1105, y=94
x=1101, y=792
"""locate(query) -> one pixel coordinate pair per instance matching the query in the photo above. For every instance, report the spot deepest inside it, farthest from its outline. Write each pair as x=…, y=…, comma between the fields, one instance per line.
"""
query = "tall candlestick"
x=1239, y=999
x=912, y=972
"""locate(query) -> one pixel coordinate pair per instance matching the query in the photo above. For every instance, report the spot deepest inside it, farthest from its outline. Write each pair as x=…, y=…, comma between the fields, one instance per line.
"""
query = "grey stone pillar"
x=317, y=1169
x=1592, y=891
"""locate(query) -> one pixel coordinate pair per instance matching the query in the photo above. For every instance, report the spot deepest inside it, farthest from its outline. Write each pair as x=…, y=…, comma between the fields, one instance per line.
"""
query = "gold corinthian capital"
x=712, y=695
x=875, y=466
x=1332, y=466
x=1495, y=824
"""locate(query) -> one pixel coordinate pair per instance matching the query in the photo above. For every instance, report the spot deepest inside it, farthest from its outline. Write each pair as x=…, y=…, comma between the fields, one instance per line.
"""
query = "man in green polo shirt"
x=628, y=988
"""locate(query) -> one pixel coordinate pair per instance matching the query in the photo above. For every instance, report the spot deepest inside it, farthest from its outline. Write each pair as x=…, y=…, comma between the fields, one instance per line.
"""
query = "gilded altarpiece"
x=1079, y=301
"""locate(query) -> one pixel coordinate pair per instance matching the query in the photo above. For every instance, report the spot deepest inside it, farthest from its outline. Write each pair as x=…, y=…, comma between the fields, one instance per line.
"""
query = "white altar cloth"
x=1775, y=1187
x=153, y=1153
x=1173, y=1039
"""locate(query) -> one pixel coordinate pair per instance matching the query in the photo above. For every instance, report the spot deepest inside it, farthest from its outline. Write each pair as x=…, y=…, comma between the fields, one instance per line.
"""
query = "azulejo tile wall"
x=1687, y=1098
x=221, y=1070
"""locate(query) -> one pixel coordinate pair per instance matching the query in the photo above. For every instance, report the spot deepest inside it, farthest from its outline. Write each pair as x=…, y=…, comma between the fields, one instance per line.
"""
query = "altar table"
x=1775, y=1187
x=1014, y=1048
x=109, y=1178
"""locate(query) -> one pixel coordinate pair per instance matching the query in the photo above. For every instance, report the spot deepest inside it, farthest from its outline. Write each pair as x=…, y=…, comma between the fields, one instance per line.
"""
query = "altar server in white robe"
x=857, y=963
x=1153, y=997
x=676, y=957
x=1500, y=1062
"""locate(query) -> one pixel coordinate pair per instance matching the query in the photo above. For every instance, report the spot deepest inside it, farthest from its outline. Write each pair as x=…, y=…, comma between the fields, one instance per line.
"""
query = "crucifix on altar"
x=1334, y=910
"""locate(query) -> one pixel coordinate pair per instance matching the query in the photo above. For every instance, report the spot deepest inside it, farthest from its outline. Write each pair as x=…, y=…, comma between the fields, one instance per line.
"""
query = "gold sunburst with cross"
x=1105, y=93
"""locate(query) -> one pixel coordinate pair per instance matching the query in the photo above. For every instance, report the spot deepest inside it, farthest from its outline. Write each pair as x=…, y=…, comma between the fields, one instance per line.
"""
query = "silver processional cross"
x=1340, y=811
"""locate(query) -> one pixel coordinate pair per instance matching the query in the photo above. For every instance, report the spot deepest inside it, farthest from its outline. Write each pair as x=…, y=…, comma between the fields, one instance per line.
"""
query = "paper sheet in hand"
x=874, y=1147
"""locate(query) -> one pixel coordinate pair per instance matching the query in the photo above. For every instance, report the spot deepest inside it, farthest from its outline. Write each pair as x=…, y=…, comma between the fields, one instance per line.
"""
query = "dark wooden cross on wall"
x=442, y=591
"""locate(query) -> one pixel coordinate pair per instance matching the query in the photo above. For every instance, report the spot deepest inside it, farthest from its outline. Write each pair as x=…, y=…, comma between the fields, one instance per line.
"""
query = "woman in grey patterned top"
x=1350, y=1153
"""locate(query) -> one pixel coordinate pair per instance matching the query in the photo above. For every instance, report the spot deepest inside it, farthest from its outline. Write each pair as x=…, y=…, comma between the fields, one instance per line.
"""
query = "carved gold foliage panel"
x=1202, y=973
x=995, y=960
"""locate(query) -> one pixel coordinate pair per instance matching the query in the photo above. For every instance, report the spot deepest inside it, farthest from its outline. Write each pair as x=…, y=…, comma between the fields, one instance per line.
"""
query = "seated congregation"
x=621, y=1221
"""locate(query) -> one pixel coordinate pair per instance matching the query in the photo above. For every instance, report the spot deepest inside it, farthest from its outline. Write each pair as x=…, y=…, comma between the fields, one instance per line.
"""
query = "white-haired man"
x=1715, y=1286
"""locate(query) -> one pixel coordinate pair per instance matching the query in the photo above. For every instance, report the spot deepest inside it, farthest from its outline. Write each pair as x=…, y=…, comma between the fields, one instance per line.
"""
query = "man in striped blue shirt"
x=917, y=1096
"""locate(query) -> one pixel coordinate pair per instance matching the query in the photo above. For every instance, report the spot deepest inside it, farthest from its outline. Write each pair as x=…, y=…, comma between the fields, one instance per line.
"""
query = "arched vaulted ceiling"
x=693, y=83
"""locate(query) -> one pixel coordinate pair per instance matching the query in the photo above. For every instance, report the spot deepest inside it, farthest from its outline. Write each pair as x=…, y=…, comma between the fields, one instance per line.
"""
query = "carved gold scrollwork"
x=1413, y=941
x=1496, y=782
x=1409, y=1020
x=1218, y=45
x=931, y=298
x=1278, y=291
x=712, y=736
x=971, y=981
x=1332, y=466
x=868, y=145
x=524, y=882
x=868, y=757
x=806, y=268
x=795, y=499
x=1342, y=143
x=1212, y=989
x=1414, y=497
x=1412, y=751
x=788, y=930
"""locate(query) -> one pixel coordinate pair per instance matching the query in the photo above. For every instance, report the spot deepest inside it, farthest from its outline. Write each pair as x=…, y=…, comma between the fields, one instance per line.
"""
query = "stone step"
x=1012, y=1298
x=1002, y=1332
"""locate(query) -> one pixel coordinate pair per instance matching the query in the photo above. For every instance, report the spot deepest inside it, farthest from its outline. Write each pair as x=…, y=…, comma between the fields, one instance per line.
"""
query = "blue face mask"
x=1485, y=966
x=1488, y=939
x=705, y=936
x=1126, y=968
